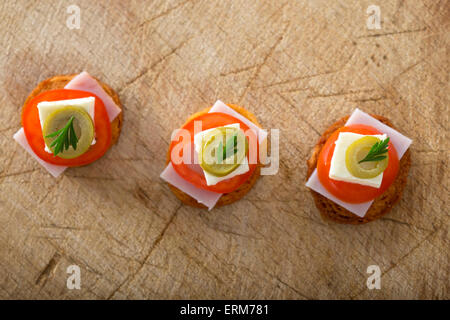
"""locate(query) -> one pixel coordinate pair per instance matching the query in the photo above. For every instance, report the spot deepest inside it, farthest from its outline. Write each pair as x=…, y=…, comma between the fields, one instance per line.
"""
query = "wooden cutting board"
x=299, y=66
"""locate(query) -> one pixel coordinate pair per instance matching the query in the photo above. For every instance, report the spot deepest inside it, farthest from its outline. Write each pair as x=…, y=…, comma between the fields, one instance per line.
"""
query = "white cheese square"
x=211, y=179
x=46, y=108
x=199, y=136
x=338, y=168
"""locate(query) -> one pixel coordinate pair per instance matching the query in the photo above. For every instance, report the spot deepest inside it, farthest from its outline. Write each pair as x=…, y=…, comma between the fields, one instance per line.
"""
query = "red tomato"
x=353, y=192
x=33, y=130
x=196, y=177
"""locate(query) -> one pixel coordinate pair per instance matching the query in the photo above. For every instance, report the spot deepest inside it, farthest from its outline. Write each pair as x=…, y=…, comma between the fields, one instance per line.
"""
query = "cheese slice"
x=401, y=144
x=46, y=108
x=211, y=179
x=338, y=167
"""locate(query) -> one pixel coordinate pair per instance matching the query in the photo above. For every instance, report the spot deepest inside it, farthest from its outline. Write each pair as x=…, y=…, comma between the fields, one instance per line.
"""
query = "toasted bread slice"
x=381, y=205
x=226, y=198
x=58, y=82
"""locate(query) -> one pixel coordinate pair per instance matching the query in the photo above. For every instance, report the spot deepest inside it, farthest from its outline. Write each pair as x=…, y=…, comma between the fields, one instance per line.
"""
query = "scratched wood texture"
x=299, y=66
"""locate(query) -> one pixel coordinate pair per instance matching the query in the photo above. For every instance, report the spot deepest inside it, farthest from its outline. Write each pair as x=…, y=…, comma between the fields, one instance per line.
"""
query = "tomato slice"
x=33, y=130
x=196, y=176
x=354, y=192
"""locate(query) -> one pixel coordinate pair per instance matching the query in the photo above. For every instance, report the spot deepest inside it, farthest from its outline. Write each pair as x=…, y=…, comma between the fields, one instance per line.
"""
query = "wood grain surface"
x=298, y=66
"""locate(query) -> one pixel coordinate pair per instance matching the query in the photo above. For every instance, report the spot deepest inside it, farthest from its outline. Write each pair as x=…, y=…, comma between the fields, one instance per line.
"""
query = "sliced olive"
x=83, y=127
x=223, y=150
x=357, y=151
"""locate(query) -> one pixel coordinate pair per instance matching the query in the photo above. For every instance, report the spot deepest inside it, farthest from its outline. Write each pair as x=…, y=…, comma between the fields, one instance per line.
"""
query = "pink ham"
x=208, y=198
x=85, y=82
x=401, y=144
x=53, y=169
x=219, y=106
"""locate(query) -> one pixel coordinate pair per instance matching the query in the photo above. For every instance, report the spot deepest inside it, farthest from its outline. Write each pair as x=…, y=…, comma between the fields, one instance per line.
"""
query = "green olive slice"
x=82, y=124
x=357, y=151
x=222, y=150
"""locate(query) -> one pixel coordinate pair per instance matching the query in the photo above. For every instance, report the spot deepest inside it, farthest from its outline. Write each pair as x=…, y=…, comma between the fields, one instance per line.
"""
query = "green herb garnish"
x=65, y=137
x=377, y=151
x=230, y=146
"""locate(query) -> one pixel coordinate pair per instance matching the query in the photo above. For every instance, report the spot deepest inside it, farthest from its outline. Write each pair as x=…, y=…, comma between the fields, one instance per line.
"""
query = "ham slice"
x=208, y=198
x=219, y=106
x=400, y=142
x=85, y=82
x=53, y=169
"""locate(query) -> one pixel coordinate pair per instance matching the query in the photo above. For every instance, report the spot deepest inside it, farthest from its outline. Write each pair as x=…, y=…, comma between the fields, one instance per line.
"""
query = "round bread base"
x=226, y=198
x=380, y=206
x=58, y=82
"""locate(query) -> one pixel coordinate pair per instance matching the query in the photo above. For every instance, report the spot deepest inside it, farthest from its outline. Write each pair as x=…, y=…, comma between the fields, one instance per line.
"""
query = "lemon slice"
x=82, y=124
x=357, y=151
x=222, y=150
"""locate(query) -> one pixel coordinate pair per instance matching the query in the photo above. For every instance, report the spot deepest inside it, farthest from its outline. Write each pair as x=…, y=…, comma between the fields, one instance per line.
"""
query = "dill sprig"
x=65, y=137
x=230, y=146
x=377, y=152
